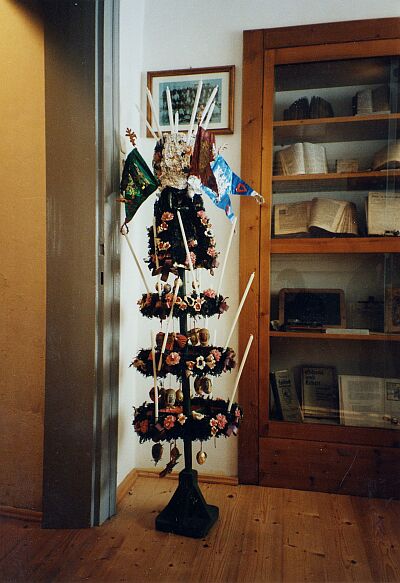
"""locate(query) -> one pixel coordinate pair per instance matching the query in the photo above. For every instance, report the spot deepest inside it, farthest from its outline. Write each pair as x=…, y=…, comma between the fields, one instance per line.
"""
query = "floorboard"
x=262, y=535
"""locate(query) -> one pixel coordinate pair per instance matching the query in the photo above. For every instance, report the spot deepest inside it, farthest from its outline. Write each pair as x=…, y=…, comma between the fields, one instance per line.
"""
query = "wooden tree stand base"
x=187, y=513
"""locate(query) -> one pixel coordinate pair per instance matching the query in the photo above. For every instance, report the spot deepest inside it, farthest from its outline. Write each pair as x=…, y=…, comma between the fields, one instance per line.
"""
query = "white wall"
x=157, y=35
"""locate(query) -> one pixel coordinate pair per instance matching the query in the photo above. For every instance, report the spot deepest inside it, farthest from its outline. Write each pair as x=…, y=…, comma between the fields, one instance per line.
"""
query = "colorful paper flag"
x=228, y=184
x=137, y=183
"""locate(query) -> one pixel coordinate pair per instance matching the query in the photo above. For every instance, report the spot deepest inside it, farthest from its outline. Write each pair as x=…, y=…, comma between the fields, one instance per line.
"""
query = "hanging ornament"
x=193, y=336
x=174, y=453
x=167, y=288
x=201, y=456
x=206, y=385
x=170, y=397
x=204, y=336
x=179, y=396
x=156, y=452
x=160, y=394
x=197, y=386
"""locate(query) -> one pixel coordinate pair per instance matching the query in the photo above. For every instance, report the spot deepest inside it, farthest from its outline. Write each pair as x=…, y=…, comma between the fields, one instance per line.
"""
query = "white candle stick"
x=142, y=115
x=176, y=121
x=170, y=112
x=137, y=262
x=194, y=110
x=153, y=354
x=246, y=291
x=153, y=110
x=198, y=274
x=156, y=255
x=214, y=343
x=164, y=344
x=209, y=114
x=246, y=352
x=195, y=285
x=208, y=104
x=226, y=254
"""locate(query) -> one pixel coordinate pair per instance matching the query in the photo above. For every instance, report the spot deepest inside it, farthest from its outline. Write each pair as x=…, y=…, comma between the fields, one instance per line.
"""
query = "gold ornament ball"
x=201, y=457
x=179, y=395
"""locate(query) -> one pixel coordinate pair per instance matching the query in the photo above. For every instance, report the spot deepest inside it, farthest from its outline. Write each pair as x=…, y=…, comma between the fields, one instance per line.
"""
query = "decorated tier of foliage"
x=168, y=237
x=204, y=305
x=209, y=418
x=195, y=360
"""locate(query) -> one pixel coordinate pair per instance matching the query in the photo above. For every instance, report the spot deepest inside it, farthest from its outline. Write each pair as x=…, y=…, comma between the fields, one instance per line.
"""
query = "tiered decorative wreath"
x=209, y=418
x=205, y=304
x=196, y=360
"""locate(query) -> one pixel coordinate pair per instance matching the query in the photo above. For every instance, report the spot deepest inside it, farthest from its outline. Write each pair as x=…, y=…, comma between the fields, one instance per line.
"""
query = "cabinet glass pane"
x=335, y=307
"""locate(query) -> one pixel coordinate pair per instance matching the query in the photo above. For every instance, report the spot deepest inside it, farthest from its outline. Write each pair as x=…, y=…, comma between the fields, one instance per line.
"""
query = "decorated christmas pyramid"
x=181, y=243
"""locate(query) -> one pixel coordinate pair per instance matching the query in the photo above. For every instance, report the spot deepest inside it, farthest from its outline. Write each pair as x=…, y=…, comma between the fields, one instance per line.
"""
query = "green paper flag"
x=137, y=183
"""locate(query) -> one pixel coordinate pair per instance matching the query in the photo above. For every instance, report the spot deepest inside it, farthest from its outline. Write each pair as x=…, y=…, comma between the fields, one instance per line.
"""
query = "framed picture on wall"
x=182, y=84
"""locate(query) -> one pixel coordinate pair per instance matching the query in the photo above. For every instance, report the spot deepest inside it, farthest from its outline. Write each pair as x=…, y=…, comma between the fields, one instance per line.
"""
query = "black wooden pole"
x=187, y=408
x=187, y=513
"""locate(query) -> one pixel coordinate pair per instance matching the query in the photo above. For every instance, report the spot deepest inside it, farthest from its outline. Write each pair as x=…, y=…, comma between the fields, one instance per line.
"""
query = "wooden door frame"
x=82, y=328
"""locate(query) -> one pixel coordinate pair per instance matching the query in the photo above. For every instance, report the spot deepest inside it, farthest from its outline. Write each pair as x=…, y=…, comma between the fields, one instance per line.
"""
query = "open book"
x=387, y=158
x=316, y=217
x=383, y=213
x=301, y=158
x=369, y=401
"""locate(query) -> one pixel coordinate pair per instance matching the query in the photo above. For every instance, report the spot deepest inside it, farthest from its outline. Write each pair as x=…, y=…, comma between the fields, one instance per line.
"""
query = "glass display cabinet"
x=319, y=139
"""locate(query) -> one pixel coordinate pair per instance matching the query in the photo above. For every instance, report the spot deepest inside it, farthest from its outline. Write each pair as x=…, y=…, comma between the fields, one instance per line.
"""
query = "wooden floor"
x=263, y=535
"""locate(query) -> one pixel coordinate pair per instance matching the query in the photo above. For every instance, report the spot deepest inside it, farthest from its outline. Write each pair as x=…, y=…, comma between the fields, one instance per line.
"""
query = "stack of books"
x=303, y=109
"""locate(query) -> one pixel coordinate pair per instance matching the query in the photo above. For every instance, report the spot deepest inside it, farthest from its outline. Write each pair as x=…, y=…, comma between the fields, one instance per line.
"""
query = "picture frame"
x=392, y=311
x=183, y=86
x=315, y=309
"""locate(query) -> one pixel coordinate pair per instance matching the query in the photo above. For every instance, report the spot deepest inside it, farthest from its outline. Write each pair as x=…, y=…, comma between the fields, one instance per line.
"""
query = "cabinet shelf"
x=339, y=245
x=335, y=129
x=372, y=337
x=344, y=181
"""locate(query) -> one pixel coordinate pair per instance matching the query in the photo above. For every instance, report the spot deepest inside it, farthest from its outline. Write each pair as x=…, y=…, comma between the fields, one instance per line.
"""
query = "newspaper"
x=369, y=401
x=383, y=213
x=292, y=218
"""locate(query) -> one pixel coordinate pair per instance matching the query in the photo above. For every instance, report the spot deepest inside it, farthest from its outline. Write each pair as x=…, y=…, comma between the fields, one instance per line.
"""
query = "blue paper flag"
x=228, y=183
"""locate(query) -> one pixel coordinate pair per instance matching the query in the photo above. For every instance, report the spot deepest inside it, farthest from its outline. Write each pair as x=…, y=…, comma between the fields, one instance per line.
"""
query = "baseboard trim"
x=122, y=490
x=21, y=513
x=126, y=484
x=203, y=478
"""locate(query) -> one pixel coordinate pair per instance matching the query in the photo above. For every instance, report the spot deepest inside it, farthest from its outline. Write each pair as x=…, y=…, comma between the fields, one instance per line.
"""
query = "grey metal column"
x=79, y=478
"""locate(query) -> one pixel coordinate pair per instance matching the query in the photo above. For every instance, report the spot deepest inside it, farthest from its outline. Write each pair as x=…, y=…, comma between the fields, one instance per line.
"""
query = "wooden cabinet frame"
x=326, y=452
